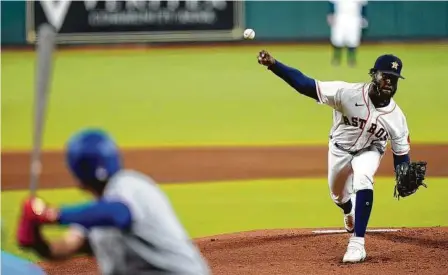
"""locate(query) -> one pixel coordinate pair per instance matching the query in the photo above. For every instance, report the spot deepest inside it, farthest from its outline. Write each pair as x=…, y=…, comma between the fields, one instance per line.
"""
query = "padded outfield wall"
x=304, y=20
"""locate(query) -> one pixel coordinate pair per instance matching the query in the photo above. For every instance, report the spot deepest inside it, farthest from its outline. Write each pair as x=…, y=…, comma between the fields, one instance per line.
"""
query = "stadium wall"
x=297, y=21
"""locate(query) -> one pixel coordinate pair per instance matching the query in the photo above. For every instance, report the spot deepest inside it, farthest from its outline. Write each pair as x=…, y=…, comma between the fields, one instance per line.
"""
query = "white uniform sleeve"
x=330, y=92
x=400, y=141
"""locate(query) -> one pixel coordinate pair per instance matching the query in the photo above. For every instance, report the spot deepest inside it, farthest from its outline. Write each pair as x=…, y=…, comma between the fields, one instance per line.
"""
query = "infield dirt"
x=179, y=165
x=292, y=251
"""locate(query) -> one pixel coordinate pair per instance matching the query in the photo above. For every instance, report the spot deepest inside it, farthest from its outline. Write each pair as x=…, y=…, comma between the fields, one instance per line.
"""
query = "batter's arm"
x=113, y=213
x=36, y=212
x=71, y=244
x=102, y=213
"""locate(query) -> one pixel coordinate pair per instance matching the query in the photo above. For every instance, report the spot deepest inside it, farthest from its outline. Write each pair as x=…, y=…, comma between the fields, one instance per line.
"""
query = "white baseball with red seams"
x=249, y=34
x=358, y=125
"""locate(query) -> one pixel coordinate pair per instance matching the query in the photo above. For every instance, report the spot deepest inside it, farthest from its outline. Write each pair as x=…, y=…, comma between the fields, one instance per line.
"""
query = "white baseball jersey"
x=156, y=243
x=347, y=23
x=357, y=124
x=348, y=8
x=359, y=136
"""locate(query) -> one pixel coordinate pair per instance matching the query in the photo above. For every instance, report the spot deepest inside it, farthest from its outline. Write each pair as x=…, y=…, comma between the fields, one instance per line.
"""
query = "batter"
x=130, y=229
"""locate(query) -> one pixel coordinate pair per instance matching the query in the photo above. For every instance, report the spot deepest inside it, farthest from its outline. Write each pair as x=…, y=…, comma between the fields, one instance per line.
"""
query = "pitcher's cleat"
x=356, y=252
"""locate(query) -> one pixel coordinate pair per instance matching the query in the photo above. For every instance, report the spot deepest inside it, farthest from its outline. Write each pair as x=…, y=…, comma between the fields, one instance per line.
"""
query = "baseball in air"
x=249, y=34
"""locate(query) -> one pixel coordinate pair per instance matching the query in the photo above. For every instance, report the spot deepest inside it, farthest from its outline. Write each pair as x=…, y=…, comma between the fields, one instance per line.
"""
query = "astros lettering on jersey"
x=357, y=123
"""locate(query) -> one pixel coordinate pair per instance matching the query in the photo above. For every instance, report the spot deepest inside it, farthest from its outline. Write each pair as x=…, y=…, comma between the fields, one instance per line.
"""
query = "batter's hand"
x=29, y=235
x=36, y=210
x=34, y=213
x=264, y=58
x=26, y=232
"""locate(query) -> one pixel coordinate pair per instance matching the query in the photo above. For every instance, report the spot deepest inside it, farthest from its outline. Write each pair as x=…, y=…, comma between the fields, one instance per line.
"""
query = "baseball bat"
x=46, y=37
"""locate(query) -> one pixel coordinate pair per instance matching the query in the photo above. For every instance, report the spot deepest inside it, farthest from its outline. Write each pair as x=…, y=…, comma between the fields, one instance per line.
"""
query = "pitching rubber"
x=338, y=231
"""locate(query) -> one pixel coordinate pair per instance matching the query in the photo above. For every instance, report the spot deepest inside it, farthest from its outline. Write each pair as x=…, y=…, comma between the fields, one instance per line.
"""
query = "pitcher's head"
x=385, y=74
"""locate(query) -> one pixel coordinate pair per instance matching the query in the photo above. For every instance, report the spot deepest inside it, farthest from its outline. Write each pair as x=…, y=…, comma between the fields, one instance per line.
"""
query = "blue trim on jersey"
x=296, y=79
x=401, y=159
x=101, y=213
x=364, y=11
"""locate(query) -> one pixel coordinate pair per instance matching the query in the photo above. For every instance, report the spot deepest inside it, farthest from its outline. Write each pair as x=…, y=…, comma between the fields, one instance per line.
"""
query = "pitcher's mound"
x=288, y=252
x=292, y=252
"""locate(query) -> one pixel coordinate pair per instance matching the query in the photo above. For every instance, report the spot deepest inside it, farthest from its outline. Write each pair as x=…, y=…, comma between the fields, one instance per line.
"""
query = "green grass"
x=216, y=96
x=214, y=208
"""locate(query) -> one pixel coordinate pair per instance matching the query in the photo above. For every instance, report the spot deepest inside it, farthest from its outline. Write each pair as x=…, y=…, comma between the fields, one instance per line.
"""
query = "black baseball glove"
x=409, y=177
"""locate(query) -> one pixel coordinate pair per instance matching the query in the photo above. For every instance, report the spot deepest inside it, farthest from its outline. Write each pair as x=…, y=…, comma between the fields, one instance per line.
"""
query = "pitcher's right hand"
x=264, y=58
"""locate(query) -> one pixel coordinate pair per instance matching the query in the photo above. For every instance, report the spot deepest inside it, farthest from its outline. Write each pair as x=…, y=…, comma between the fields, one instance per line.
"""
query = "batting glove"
x=36, y=210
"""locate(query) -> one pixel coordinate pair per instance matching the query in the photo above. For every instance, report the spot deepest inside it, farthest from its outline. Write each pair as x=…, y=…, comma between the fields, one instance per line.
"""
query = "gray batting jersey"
x=155, y=244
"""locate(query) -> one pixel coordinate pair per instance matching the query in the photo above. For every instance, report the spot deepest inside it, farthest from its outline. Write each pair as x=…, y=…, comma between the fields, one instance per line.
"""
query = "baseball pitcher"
x=365, y=117
x=130, y=229
x=347, y=19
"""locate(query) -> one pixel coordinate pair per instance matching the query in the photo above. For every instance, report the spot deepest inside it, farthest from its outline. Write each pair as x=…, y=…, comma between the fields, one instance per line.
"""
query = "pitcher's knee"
x=339, y=199
x=362, y=182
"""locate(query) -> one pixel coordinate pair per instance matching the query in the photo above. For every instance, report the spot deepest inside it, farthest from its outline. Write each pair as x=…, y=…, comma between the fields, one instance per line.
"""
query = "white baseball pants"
x=348, y=173
x=346, y=32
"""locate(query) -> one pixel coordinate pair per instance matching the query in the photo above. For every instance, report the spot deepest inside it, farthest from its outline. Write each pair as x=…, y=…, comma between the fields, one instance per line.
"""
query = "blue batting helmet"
x=93, y=156
x=389, y=64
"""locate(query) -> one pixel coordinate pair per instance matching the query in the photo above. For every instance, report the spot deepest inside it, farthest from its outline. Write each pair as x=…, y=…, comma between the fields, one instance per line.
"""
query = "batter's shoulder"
x=128, y=179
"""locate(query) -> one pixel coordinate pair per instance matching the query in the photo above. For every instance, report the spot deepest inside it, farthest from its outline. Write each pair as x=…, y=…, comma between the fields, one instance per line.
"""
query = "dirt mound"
x=408, y=251
x=76, y=266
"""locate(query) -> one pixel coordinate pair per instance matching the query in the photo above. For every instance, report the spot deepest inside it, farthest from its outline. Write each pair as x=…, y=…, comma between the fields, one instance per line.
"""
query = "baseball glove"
x=409, y=177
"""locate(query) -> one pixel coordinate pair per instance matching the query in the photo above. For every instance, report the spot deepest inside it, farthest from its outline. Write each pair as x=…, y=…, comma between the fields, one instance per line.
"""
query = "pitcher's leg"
x=349, y=207
x=339, y=174
x=364, y=168
x=340, y=179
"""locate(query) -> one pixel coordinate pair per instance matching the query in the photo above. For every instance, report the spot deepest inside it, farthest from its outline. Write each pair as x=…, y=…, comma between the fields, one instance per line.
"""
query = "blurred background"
x=181, y=91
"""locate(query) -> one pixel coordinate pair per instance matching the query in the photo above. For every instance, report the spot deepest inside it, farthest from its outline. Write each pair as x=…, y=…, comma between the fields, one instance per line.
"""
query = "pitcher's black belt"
x=368, y=148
